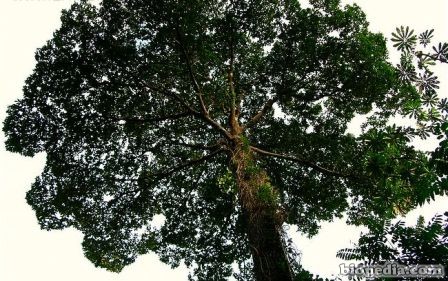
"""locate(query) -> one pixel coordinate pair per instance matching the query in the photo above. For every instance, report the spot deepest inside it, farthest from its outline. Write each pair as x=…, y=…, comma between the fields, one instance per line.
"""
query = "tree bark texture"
x=260, y=208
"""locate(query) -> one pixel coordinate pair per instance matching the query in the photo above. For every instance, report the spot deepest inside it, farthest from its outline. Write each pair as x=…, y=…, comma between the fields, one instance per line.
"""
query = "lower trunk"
x=269, y=256
x=260, y=206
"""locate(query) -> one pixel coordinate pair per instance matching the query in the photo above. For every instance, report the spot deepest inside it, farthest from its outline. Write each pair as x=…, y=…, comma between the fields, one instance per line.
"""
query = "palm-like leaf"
x=441, y=52
x=434, y=115
x=412, y=108
x=422, y=130
x=427, y=82
x=406, y=73
x=430, y=99
x=404, y=39
x=425, y=37
x=443, y=105
x=406, y=69
x=349, y=254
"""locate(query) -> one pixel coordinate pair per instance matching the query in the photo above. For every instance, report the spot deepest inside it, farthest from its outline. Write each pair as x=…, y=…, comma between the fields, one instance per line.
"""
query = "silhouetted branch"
x=161, y=175
x=171, y=94
x=257, y=117
x=199, y=146
x=185, y=165
x=195, y=83
x=205, y=114
x=152, y=120
x=299, y=161
x=231, y=81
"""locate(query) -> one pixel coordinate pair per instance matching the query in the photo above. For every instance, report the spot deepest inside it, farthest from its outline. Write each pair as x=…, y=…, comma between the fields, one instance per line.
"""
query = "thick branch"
x=257, y=117
x=189, y=108
x=434, y=57
x=299, y=161
x=217, y=126
x=204, y=114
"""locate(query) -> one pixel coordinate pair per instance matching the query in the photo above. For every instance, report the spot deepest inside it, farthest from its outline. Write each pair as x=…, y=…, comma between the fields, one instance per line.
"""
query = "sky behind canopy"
x=28, y=253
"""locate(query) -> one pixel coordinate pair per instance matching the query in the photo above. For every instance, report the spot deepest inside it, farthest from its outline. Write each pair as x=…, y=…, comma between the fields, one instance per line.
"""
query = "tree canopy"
x=222, y=116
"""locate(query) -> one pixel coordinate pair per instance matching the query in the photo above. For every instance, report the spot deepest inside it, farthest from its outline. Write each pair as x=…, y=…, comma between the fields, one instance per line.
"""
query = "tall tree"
x=149, y=108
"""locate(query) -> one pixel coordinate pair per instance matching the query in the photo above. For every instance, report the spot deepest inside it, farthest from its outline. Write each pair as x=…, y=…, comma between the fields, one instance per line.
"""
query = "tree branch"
x=313, y=98
x=160, y=175
x=171, y=94
x=257, y=117
x=153, y=120
x=199, y=115
x=204, y=114
x=185, y=165
x=196, y=86
x=217, y=126
x=300, y=161
x=230, y=78
x=198, y=146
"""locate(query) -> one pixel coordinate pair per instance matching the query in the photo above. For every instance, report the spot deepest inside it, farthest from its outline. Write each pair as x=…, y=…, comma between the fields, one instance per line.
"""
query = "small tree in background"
x=419, y=245
x=386, y=242
x=167, y=107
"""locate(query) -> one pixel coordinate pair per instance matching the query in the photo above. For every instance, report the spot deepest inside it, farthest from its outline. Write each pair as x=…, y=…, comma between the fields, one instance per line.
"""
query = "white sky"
x=28, y=253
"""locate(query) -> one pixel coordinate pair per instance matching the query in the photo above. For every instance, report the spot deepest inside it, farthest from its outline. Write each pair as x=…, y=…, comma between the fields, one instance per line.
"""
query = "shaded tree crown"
x=149, y=107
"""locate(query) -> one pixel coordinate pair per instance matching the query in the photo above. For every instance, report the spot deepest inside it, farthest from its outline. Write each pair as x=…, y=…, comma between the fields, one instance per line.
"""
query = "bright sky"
x=28, y=253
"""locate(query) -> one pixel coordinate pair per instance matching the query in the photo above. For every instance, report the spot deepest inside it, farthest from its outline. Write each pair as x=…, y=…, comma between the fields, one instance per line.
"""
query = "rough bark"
x=259, y=202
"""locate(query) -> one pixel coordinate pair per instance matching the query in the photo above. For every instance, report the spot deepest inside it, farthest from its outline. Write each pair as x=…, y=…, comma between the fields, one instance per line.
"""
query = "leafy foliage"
x=415, y=69
x=139, y=107
x=421, y=244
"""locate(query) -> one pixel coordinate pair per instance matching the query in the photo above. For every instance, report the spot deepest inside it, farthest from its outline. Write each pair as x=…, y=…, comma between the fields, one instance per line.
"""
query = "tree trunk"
x=260, y=206
x=268, y=253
